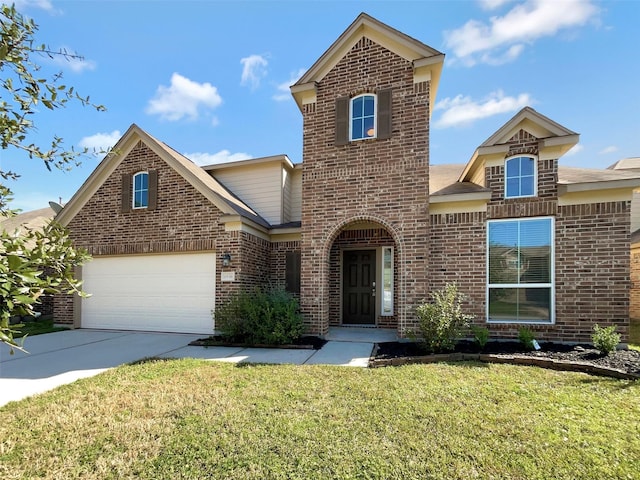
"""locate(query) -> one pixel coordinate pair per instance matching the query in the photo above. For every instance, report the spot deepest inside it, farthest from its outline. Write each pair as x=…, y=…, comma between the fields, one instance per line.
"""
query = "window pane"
x=513, y=187
x=357, y=107
x=503, y=304
x=356, y=129
x=145, y=181
x=535, y=251
x=513, y=168
x=368, y=130
x=387, y=280
x=503, y=252
x=520, y=304
x=368, y=106
x=526, y=186
x=526, y=166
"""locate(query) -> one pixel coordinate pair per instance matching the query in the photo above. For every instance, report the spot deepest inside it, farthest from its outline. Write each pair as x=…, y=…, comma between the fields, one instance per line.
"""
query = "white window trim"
x=381, y=279
x=535, y=176
x=551, y=285
x=375, y=117
x=133, y=190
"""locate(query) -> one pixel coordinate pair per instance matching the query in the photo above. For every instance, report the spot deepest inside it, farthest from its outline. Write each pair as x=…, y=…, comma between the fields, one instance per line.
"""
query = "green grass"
x=188, y=419
x=38, y=327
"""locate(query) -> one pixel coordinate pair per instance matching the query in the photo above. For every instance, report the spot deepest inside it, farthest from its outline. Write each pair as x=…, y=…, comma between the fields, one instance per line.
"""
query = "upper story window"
x=141, y=190
x=520, y=177
x=363, y=117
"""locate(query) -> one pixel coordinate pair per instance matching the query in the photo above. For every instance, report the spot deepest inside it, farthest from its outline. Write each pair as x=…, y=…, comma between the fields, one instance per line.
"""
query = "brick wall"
x=279, y=252
x=384, y=181
x=458, y=255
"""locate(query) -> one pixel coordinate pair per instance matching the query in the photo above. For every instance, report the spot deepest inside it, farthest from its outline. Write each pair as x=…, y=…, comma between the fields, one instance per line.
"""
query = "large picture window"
x=520, y=269
x=520, y=177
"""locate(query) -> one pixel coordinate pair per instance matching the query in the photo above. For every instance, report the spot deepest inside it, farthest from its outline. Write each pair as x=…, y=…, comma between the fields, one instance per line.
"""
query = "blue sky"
x=211, y=78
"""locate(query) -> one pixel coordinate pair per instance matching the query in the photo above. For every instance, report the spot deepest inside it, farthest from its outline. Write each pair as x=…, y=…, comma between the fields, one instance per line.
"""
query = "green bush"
x=526, y=337
x=480, y=335
x=442, y=322
x=269, y=317
x=605, y=339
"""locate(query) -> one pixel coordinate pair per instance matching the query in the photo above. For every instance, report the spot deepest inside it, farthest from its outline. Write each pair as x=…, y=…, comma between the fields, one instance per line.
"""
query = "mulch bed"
x=306, y=342
x=584, y=358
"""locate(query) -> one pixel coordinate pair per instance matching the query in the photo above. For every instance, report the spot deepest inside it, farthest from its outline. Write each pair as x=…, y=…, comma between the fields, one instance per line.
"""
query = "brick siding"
x=380, y=181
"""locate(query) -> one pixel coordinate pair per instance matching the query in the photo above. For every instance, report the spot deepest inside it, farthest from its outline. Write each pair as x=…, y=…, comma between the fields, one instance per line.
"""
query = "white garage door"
x=160, y=293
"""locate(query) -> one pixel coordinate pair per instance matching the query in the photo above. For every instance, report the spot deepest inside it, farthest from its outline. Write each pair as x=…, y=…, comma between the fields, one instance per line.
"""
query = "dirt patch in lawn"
x=551, y=355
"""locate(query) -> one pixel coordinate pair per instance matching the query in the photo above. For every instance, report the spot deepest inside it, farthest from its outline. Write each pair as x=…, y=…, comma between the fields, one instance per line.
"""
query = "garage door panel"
x=154, y=293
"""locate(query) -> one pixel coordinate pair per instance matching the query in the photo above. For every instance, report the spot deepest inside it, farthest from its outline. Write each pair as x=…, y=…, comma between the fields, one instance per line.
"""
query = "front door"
x=359, y=287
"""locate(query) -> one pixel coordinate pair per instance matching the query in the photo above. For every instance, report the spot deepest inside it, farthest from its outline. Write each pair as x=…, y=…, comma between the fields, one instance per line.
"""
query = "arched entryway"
x=364, y=288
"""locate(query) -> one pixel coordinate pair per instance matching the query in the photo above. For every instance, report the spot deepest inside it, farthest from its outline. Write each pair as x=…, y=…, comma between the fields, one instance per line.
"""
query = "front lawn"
x=192, y=419
x=38, y=327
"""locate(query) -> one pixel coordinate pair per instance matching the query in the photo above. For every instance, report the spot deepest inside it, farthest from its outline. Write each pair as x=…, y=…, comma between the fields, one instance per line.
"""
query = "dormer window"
x=520, y=177
x=363, y=117
x=141, y=190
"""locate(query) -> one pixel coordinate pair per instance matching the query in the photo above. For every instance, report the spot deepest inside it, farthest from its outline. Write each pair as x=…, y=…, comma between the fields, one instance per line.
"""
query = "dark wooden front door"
x=358, y=287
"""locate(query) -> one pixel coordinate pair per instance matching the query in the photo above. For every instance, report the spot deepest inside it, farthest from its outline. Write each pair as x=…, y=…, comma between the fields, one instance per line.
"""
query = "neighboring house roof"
x=550, y=135
x=635, y=237
x=626, y=164
x=426, y=61
x=34, y=219
x=222, y=198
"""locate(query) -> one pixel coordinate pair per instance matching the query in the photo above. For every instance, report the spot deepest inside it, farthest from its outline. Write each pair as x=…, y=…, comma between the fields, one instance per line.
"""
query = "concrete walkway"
x=59, y=358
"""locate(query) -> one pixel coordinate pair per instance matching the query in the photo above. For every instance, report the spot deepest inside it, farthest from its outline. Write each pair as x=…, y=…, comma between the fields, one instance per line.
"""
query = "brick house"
x=364, y=228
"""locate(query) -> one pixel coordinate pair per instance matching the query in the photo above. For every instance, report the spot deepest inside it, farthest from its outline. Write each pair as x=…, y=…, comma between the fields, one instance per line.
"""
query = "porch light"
x=226, y=259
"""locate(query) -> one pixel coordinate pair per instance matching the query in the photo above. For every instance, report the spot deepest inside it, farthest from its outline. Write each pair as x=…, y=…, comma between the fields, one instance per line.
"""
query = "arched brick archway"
x=362, y=231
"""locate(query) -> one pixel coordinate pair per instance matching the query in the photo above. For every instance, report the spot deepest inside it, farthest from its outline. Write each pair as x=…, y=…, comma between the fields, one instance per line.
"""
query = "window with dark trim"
x=139, y=191
x=292, y=272
x=363, y=117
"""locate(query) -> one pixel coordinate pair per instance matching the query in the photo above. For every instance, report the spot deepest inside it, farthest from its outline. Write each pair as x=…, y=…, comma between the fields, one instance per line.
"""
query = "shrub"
x=260, y=317
x=605, y=339
x=480, y=335
x=526, y=337
x=442, y=322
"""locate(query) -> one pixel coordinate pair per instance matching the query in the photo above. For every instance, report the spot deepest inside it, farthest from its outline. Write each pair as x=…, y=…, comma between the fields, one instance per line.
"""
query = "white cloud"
x=283, y=93
x=183, y=98
x=577, y=148
x=477, y=41
x=463, y=110
x=100, y=141
x=223, y=156
x=67, y=58
x=609, y=149
x=254, y=68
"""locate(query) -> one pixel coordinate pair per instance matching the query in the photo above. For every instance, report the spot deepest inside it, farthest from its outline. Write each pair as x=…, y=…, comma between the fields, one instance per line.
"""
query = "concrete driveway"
x=63, y=357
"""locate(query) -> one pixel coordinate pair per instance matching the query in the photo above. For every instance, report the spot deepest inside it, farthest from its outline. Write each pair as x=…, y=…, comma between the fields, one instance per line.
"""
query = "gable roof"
x=550, y=135
x=208, y=186
x=426, y=60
